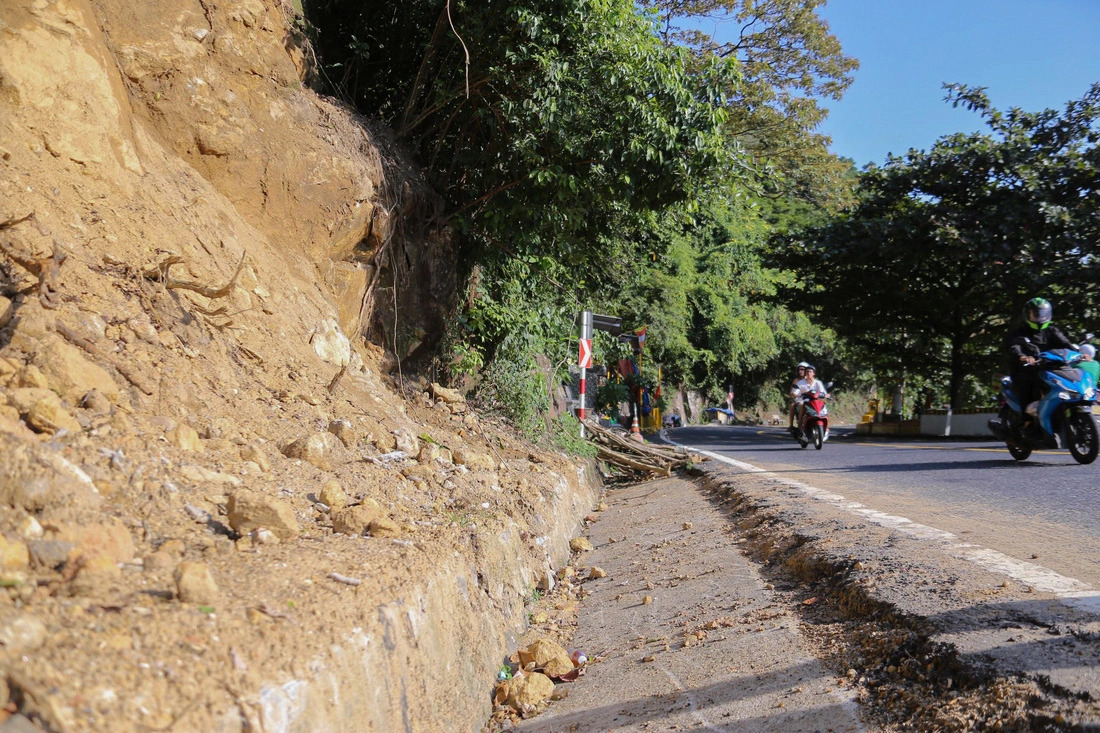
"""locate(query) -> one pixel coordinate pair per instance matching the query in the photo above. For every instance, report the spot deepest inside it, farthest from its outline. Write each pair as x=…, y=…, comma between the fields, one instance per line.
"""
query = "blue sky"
x=1031, y=54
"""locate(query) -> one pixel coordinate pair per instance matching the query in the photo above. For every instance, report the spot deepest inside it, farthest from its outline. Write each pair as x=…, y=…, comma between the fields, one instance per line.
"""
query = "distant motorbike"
x=813, y=426
x=1061, y=418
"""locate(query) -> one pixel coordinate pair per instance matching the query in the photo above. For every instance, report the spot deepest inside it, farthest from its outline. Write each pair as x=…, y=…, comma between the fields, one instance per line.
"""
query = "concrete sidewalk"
x=685, y=633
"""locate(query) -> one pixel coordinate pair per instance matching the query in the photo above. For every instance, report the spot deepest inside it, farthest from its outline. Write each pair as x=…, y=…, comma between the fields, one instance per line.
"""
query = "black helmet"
x=1038, y=312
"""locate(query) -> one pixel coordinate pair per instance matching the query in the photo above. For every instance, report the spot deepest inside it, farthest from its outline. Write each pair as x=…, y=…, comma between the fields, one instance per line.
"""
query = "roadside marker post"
x=584, y=360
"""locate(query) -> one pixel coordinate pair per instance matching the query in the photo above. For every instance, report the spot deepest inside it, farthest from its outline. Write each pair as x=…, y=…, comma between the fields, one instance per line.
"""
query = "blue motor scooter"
x=1061, y=418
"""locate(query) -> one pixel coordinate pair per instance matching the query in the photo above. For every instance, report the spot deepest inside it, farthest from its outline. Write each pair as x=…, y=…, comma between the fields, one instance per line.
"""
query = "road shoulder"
x=685, y=633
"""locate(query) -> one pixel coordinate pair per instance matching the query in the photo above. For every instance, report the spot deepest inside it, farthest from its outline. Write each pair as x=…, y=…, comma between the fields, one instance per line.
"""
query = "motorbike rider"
x=803, y=388
x=800, y=373
x=1035, y=334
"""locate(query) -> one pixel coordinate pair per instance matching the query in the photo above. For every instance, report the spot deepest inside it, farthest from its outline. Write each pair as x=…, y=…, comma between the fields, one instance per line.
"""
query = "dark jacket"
x=1027, y=341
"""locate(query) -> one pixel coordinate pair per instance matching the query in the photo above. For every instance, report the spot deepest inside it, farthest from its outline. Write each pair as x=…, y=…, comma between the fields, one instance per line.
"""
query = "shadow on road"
x=690, y=707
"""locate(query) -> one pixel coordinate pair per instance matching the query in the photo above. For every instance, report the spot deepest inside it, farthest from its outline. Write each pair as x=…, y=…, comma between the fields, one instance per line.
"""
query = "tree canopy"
x=790, y=64
x=928, y=270
x=591, y=156
x=541, y=123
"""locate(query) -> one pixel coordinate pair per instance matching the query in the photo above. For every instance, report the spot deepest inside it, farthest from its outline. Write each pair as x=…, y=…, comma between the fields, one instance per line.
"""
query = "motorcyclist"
x=1037, y=333
x=805, y=387
x=800, y=373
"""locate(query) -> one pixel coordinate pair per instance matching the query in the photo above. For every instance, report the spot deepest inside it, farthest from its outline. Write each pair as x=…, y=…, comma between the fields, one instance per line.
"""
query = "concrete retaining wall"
x=964, y=424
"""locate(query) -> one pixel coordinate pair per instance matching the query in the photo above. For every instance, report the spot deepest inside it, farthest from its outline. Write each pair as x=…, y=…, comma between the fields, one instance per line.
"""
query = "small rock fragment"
x=249, y=510
x=355, y=520
x=333, y=496
x=406, y=441
x=22, y=633
x=255, y=455
x=185, y=438
x=316, y=449
x=384, y=527
x=580, y=544
x=343, y=430
x=194, y=584
x=14, y=555
x=49, y=416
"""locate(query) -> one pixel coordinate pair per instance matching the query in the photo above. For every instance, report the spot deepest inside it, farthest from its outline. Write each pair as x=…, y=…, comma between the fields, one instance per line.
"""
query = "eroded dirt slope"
x=208, y=479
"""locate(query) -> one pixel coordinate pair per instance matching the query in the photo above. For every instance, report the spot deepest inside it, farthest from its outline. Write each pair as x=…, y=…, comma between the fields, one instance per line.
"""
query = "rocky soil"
x=213, y=488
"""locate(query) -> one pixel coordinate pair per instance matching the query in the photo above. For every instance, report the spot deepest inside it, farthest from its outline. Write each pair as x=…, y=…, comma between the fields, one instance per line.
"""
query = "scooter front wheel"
x=1019, y=452
x=1084, y=442
x=818, y=435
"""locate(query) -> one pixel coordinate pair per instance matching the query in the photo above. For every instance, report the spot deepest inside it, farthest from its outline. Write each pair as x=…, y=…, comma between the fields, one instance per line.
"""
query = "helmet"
x=810, y=368
x=1038, y=313
x=1089, y=350
x=802, y=365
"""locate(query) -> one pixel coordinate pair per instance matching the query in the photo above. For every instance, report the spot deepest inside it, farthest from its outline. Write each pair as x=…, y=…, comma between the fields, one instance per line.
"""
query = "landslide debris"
x=209, y=479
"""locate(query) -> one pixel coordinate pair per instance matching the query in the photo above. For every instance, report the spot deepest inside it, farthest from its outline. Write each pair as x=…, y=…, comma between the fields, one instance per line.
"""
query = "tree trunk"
x=956, y=372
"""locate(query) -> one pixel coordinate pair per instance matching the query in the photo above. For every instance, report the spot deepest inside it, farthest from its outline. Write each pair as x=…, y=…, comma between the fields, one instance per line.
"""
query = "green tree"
x=926, y=272
x=541, y=123
x=791, y=64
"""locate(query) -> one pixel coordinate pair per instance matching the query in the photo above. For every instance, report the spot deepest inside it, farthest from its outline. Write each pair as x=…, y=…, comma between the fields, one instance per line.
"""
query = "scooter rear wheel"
x=1019, y=452
x=1084, y=442
x=818, y=435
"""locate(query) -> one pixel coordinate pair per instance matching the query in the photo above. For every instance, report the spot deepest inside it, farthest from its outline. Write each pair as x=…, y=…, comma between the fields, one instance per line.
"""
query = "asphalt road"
x=1040, y=514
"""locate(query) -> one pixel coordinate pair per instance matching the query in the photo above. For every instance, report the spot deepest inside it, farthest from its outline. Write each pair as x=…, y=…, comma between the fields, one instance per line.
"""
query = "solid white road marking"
x=1074, y=593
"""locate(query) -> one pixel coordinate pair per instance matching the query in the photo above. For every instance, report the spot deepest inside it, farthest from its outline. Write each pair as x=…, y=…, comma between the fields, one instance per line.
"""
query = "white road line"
x=1074, y=593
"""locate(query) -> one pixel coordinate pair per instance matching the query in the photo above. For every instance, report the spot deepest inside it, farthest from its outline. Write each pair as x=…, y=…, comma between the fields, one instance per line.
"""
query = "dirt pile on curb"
x=852, y=592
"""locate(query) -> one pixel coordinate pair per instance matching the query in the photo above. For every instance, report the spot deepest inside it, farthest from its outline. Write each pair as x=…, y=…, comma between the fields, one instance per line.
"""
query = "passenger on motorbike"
x=1036, y=334
x=800, y=372
x=805, y=387
x=1089, y=363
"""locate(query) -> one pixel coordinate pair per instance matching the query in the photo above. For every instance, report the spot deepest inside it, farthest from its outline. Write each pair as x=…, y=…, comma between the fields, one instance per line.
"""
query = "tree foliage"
x=592, y=158
x=926, y=272
x=790, y=64
x=541, y=123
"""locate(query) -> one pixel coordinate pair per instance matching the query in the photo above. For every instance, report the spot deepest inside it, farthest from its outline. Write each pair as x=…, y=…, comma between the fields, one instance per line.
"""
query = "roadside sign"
x=585, y=358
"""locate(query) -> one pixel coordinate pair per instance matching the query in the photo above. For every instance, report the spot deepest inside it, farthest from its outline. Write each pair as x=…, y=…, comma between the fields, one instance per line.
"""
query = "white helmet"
x=1089, y=350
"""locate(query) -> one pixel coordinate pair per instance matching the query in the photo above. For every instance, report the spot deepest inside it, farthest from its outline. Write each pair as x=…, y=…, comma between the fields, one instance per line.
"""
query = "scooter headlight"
x=1064, y=395
x=1090, y=393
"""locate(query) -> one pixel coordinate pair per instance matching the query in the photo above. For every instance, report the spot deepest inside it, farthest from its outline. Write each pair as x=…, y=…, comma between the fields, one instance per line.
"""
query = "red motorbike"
x=813, y=425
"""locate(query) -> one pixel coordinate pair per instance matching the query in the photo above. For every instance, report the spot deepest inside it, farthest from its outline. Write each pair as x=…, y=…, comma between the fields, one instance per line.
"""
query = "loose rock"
x=316, y=449
x=249, y=510
x=356, y=520
x=185, y=438
x=22, y=633
x=332, y=495
x=384, y=527
x=343, y=430
x=580, y=544
x=194, y=584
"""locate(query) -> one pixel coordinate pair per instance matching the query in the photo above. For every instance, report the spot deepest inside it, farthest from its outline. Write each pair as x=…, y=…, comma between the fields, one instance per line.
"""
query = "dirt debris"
x=189, y=251
x=906, y=678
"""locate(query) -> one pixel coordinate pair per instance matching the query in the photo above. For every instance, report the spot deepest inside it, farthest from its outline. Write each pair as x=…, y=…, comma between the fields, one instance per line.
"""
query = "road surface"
x=1043, y=511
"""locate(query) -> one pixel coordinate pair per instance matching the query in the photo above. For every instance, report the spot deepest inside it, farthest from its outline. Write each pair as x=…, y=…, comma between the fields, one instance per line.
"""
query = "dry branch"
x=640, y=460
x=161, y=273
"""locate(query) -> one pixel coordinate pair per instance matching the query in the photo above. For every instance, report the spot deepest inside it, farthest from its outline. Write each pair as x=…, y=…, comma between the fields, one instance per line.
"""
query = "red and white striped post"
x=584, y=360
